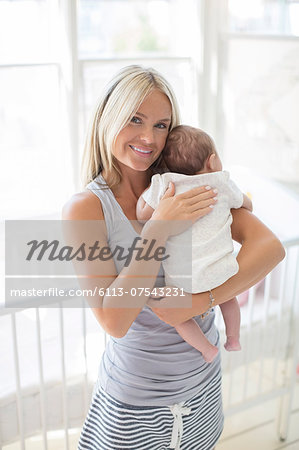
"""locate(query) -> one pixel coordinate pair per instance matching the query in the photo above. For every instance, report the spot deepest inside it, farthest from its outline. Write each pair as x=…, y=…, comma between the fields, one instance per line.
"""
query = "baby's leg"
x=192, y=333
x=231, y=315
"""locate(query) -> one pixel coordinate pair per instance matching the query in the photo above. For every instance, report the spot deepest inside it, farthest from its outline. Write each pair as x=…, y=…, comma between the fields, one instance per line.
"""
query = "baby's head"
x=190, y=151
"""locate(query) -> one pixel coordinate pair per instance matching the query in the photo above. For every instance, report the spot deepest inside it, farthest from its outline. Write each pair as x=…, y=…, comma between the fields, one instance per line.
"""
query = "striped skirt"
x=195, y=424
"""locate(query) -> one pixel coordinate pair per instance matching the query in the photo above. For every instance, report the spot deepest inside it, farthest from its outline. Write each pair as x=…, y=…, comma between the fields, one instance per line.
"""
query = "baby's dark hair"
x=187, y=149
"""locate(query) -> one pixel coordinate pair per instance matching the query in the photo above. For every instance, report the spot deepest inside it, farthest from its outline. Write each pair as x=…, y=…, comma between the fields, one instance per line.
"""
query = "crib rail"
x=20, y=430
x=269, y=337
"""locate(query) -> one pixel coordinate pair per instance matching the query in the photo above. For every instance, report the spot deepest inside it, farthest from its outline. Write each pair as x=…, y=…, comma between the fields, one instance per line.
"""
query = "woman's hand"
x=171, y=311
x=174, y=307
x=261, y=251
x=184, y=208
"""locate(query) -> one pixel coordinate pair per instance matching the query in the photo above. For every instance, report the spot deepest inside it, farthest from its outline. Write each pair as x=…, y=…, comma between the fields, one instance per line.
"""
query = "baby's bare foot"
x=232, y=344
x=210, y=354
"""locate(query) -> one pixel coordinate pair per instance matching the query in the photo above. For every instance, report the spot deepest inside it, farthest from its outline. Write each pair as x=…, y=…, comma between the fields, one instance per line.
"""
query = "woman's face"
x=140, y=142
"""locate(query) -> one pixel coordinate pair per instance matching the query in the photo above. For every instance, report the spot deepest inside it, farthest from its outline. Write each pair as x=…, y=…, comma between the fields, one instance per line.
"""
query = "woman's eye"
x=135, y=120
x=162, y=126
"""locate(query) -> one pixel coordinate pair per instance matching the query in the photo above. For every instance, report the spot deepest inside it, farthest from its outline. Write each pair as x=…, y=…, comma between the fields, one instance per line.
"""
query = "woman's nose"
x=147, y=135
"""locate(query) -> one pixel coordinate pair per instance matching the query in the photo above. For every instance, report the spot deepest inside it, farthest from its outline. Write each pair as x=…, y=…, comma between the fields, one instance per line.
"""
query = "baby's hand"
x=247, y=203
x=143, y=211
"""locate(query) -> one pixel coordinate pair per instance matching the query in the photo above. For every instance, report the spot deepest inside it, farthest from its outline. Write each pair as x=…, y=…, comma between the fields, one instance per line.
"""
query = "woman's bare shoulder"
x=83, y=206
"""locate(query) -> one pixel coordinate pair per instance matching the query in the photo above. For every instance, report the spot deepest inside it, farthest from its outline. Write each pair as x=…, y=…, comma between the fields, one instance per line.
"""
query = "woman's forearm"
x=117, y=298
x=261, y=251
x=133, y=286
x=255, y=263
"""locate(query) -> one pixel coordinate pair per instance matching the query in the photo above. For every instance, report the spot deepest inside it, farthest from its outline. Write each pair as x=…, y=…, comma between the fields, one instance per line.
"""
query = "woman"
x=154, y=391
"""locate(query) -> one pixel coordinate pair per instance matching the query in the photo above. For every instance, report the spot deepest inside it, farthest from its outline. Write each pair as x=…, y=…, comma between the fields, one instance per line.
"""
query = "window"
x=55, y=58
x=264, y=16
x=112, y=28
x=261, y=88
x=162, y=34
x=36, y=173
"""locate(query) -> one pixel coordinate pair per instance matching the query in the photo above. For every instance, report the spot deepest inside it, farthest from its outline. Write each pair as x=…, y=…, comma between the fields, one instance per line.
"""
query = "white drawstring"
x=178, y=410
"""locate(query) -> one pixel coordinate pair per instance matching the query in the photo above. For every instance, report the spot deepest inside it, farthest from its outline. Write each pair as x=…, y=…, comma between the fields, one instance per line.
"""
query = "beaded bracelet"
x=211, y=304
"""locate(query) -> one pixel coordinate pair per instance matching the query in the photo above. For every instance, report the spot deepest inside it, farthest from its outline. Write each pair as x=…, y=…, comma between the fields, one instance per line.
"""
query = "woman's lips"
x=141, y=151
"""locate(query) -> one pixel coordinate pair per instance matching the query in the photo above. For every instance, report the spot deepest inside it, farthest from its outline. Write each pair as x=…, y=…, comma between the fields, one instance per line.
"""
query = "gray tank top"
x=151, y=365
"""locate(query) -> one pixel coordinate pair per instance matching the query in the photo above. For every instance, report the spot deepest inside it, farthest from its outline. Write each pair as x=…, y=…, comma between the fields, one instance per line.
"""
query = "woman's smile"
x=142, y=140
x=141, y=151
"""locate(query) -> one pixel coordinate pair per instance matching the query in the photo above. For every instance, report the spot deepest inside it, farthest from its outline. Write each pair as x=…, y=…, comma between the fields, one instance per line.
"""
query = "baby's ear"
x=211, y=163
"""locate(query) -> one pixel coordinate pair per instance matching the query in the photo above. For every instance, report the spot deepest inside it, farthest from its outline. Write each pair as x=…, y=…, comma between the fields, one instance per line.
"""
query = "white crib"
x=50, y=359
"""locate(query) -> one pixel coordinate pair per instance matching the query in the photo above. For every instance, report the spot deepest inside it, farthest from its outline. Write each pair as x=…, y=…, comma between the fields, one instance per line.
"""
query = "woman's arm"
x=261, y=251
x=85, y=224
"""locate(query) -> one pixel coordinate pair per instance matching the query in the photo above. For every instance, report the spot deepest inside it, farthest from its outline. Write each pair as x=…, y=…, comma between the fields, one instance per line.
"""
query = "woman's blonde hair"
x=118, y=104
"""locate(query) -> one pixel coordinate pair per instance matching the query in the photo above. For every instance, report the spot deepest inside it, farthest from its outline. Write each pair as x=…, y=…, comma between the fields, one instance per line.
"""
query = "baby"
x=192, y=160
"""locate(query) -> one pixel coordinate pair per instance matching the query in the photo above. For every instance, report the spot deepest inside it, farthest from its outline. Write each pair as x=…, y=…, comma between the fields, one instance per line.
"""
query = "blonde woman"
x=154, y=391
